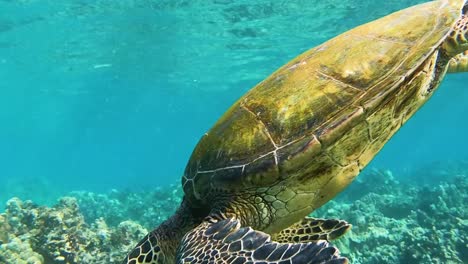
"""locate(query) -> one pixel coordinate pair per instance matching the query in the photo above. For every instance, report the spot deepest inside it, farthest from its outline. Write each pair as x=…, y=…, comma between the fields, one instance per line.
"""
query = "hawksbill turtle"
x=301, y=136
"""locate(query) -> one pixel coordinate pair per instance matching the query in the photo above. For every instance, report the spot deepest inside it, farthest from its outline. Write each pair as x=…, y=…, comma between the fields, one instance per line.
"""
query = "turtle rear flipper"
x=313, y=229
x=225, y=241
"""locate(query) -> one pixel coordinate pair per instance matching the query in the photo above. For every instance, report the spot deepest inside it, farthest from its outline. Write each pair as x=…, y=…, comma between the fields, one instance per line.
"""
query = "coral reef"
x=36, y=235
x=393, y=221
x=118, y=206
x=403, y=223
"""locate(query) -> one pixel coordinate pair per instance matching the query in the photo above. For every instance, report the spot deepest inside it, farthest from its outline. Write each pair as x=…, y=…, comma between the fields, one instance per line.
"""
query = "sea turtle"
x=301, y=136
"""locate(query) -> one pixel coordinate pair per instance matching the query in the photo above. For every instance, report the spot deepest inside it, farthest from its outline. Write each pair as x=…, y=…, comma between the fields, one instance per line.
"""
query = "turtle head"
x=160, y=245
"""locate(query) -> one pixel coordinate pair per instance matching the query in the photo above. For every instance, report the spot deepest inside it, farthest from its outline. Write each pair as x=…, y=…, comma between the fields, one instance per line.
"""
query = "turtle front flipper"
x=225, y=241
x=313, y=229
x=459, y=63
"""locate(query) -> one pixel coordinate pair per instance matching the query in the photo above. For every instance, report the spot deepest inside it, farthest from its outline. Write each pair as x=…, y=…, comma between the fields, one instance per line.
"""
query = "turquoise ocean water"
x=97, y=95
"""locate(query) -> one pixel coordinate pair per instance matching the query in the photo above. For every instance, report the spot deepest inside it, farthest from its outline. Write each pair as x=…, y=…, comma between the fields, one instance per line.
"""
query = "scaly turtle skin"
x=301, y=136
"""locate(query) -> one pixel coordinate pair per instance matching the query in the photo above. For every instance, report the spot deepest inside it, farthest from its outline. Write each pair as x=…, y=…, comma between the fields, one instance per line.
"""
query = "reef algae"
x=393, y=222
